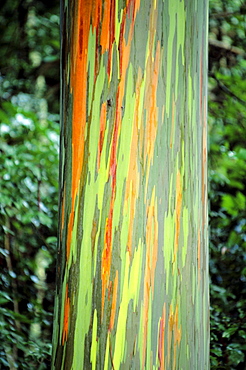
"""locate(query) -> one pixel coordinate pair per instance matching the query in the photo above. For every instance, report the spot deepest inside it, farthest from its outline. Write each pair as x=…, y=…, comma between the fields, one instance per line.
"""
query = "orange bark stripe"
x=106, y=258
x=111, y=35
x=176, y=337
x=96, y=13
x=66, y=317
x=87, y=10
x=151, y=103
x=78, y=89
x=174, y=333
x=105, y=26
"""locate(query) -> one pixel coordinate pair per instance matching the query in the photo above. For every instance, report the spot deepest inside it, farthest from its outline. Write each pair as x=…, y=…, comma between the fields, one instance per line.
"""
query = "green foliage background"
x=227, y=170
x=29, y=106
x=29, y=90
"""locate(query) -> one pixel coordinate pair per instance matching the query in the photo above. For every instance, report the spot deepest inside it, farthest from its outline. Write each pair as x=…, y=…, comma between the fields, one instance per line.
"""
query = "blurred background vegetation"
x=29, y=127
x=227, y=176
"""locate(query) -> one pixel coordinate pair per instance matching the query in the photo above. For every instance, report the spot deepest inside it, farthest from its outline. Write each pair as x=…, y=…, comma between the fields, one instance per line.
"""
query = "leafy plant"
x=28, y=214
x=227, y=169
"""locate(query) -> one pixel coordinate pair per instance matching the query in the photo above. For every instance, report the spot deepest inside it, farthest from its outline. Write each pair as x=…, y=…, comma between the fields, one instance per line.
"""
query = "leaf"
x=7, y=230
x=229, y=332
x=217, y=351
x=4, y=297
x=242, y=154
x=242, y=334
x=235, y=354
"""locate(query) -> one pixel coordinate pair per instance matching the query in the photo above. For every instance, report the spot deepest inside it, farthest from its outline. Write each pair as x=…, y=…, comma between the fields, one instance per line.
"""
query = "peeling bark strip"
x=133, y=257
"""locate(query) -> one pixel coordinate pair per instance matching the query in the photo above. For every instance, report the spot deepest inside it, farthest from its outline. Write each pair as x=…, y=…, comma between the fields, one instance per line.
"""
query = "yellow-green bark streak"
x=132, y=289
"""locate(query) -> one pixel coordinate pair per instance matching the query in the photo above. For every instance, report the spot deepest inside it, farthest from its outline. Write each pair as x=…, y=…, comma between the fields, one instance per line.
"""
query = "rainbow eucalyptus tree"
x=132, y=284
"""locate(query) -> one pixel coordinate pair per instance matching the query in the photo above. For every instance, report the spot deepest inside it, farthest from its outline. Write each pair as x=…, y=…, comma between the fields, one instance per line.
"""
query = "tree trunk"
x=132, y=287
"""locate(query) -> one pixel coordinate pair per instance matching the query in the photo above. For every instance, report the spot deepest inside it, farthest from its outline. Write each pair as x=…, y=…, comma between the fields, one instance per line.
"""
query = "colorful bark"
x=133, y=256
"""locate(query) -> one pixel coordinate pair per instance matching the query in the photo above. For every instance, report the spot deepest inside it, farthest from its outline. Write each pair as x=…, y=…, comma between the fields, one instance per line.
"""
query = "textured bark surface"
x=133, y=256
